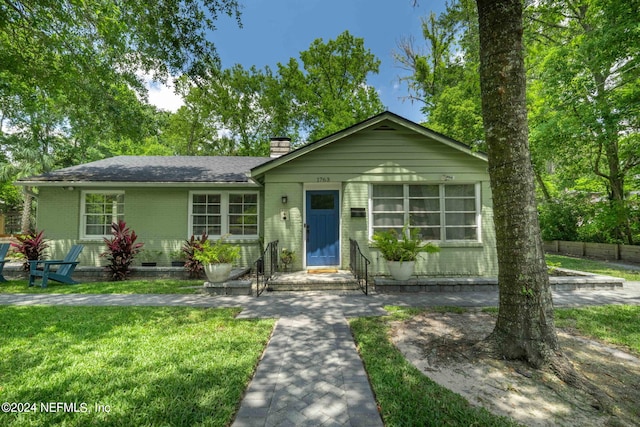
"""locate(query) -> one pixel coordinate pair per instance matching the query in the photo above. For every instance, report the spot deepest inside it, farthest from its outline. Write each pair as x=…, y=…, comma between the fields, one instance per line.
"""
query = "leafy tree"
x=235, y=111
x=444, y=73
x=192, y=129
x=30, y=143
x=71, y=74
x=79, y=42
x=330, y=89
x=88, y=59
x=582, y=67
x=525, y=328
x=586, y=70
x=250, y=104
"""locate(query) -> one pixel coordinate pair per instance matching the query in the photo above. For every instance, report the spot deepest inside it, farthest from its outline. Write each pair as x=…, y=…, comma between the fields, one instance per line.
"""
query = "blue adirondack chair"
x=4, y=249
x=63, y=272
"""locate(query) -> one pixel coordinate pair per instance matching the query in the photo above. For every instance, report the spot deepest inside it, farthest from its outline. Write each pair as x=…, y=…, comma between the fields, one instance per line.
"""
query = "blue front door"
x=322, y=227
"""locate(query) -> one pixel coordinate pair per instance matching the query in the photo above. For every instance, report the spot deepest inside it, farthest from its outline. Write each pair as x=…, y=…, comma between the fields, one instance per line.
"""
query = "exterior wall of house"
x=289, y=232
x=159, y=216
x=353, y=163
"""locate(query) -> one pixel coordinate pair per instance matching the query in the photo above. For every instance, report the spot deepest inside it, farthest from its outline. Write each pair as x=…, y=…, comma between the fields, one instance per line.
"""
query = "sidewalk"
x=348, y=304
x=311, y=373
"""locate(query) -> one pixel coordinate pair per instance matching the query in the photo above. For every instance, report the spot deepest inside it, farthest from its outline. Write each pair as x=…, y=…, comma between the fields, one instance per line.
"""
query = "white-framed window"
x=224, y=212
x=441, y=212
x=99, y=209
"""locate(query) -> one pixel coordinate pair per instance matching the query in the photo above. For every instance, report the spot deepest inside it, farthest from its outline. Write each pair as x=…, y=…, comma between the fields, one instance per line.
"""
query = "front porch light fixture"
x=284, y=200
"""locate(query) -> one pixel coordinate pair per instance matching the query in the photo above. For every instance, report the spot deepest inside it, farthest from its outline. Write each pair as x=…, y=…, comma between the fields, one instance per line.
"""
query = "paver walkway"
x=311, y=373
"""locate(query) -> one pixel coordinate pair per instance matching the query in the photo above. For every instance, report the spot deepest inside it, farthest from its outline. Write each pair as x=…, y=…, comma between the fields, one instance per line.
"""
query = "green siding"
x=354, y=162
x=289, y=233
x=380, y=156
x=159, y=216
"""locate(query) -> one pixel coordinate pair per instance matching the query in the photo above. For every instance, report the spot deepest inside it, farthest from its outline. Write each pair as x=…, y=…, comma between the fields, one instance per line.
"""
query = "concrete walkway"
x=349, y=304
x=311, y=373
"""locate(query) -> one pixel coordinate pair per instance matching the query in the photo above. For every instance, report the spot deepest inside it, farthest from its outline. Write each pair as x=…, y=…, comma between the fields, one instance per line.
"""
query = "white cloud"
x=164, y=96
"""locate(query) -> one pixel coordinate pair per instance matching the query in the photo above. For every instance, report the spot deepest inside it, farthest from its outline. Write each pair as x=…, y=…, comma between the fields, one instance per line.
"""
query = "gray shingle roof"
x=157, y=169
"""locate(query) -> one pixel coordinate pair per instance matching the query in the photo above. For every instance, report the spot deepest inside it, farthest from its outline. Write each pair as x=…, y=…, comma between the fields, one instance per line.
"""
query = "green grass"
x=591, y=266
x=168, y=286
x=616, y=324
x=151, y=366
x=406, y=396
x=409, y=398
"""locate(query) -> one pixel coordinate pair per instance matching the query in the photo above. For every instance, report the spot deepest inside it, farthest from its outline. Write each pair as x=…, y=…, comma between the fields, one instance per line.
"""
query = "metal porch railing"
x=359, y=266
x=266, y=266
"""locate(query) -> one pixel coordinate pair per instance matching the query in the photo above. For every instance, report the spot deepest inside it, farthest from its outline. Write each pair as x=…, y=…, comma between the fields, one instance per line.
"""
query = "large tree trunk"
x=25, y=221
x=525, y=327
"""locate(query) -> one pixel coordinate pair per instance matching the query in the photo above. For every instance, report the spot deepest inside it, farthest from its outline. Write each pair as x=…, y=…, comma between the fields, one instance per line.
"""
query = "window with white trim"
x=99, y=209
x=443, y=212
x=220, y=213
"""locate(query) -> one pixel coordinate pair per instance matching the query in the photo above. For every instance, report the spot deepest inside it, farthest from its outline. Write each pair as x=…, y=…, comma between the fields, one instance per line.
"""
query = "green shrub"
x=405, y=247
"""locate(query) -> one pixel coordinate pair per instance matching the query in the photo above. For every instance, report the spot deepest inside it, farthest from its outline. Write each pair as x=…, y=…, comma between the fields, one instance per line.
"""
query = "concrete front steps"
x=313, y=280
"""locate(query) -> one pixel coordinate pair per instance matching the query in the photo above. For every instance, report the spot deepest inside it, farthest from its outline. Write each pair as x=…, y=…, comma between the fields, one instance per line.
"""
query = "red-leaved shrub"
x=192, y=265
x=121, y=250
x=31, y=246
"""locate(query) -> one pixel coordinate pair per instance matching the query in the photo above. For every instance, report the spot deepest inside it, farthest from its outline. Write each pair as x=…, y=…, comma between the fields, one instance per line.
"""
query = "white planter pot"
x=217, y=272
x=401, y=270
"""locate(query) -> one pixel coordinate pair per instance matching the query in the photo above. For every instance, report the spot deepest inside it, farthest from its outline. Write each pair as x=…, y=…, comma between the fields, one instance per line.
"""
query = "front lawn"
x=591, y=266
x=126, y=365
x=406, y=396
x=166, y=286
x=615, y=324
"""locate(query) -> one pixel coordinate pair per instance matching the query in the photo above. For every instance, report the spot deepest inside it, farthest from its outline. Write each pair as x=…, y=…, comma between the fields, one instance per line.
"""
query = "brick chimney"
x=280, y=146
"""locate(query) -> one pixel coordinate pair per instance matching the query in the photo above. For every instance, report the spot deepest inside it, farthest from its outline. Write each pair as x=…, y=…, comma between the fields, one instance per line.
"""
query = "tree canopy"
x=583, y=97
x=234, y=111
x=72, y=74
x=84, y=63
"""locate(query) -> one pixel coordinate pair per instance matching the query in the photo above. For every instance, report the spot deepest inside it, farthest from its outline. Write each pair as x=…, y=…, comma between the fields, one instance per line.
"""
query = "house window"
x=243, y=214
x=220, y=213
x=444, y=212
x=99, y=211
x=206, y=214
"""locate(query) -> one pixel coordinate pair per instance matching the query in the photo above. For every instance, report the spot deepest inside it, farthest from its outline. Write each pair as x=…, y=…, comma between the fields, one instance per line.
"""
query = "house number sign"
x=323, y=179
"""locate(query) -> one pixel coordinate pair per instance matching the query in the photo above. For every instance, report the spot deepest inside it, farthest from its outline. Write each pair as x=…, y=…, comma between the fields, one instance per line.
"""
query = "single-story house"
x=378, y=174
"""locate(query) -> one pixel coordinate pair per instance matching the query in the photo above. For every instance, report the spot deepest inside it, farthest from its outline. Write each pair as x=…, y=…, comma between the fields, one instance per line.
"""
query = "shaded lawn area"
x=591, y=266
x=160, y=286
x=407, y=397
x=151, y=366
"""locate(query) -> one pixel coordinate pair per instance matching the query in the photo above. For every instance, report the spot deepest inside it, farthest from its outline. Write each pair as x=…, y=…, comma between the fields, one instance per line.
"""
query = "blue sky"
x=275, y=30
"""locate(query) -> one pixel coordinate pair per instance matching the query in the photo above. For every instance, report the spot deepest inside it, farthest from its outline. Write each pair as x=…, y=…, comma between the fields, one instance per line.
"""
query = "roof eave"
x=113, y=184
x=265, y=167
x=439, y=137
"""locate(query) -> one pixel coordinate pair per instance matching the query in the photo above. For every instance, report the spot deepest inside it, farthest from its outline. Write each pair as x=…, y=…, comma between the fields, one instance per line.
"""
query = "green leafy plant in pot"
x=217, y=259
x=178, y=258
x=401, y=250
x=149, y=257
